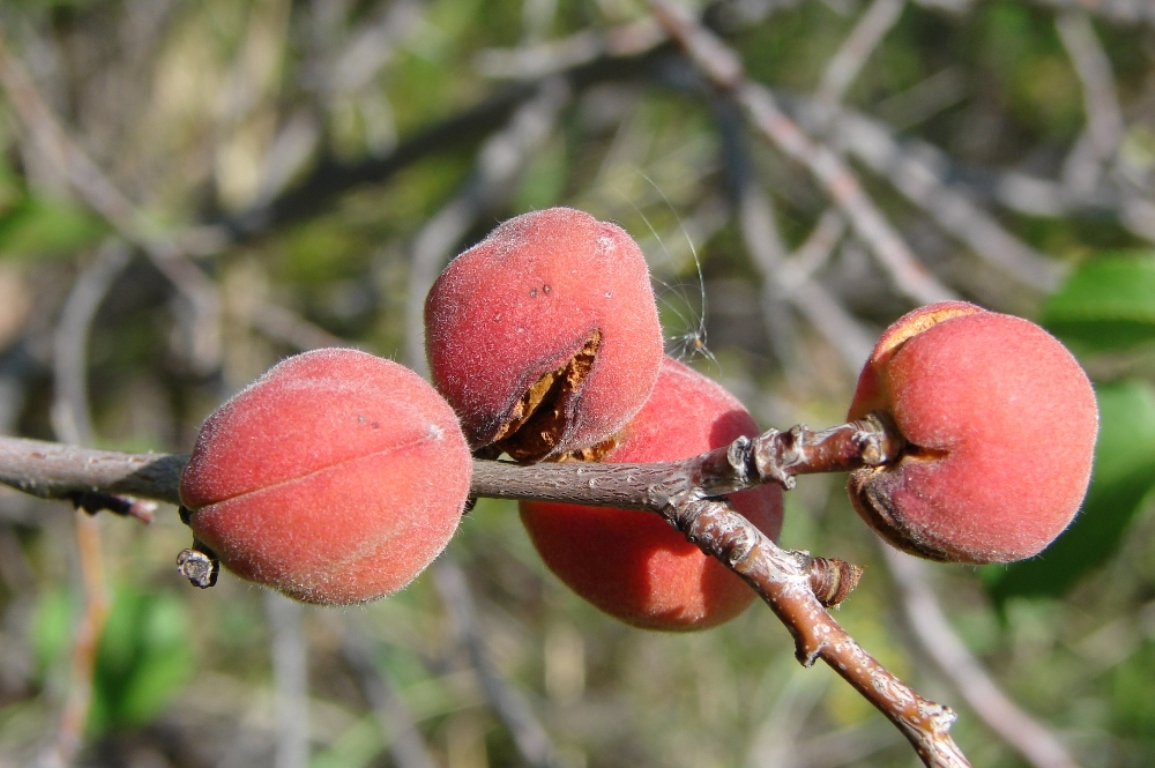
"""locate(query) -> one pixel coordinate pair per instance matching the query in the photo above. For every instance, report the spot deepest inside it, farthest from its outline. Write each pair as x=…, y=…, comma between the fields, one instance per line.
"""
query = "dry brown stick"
x=72, y=423
x=684, y=492
x=1026, y=735
x=725, y=70
x=98, y=191
x=56, y=471
x=850, y=58
x=915, y=169
x=782, y=581
x=1104, y=124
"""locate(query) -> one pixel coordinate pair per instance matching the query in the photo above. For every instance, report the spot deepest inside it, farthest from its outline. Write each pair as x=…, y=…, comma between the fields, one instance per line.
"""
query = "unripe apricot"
x=335, y=478
x=1000, y=422
x=544, y=337
x=632, y=564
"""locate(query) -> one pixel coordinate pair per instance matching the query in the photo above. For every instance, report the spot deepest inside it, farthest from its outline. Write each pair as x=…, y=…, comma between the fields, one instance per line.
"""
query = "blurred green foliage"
x=204, y=112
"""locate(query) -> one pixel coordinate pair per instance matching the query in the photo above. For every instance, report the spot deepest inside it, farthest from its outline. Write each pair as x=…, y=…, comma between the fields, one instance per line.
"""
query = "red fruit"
x=1001, y=424
x=544, y=337
x=632, y=564
x=335, y=478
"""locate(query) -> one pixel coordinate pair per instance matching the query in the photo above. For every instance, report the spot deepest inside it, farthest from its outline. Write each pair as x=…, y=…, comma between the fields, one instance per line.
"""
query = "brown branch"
x=55, y=471
x=781, y=579
x=796, y=586
x=771, y=457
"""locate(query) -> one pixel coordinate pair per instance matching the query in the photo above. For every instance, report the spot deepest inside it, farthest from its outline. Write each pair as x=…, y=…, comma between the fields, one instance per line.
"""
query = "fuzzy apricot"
x=1000, y=422
x=632, y=564
x=335, y=478
x=544, y=337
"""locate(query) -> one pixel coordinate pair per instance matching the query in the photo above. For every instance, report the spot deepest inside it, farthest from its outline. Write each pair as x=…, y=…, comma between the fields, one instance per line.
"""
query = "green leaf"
x=1124, y=476
x=143, y=660
x=1108, y=303
x=52, y=629
x=40, y=227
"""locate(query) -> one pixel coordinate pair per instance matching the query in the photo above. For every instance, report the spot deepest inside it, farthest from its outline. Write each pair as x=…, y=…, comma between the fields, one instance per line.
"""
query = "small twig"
x=56, y=471
x=290, y=680
x=406, y=745
x=125, y=506
x=725, y=70
x=847, y=62
x=1104, y=116
x=101, y=194
x=781, y=580
x=1026, y=735
x=530, y=737
x=771, y=457
x=918, y=170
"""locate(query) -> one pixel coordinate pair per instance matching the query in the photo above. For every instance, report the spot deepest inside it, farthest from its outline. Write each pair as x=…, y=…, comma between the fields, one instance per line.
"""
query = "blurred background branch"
x=191, y=191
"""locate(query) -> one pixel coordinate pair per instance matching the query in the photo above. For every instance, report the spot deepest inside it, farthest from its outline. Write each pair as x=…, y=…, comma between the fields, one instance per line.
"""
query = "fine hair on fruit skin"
x=1000, y=422
x=544, y=337
x=632, y=564
x=334, y=478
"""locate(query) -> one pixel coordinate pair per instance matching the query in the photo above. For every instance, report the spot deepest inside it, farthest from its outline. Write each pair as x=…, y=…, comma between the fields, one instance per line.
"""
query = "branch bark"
x=689, y=494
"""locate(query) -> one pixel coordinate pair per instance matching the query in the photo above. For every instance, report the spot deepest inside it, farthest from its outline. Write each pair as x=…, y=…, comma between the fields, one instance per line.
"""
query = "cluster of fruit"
x=338, y=476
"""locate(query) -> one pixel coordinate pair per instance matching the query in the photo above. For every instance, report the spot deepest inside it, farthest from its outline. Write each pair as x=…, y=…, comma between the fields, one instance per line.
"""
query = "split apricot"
x=544, y=337
x=1000, y=422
